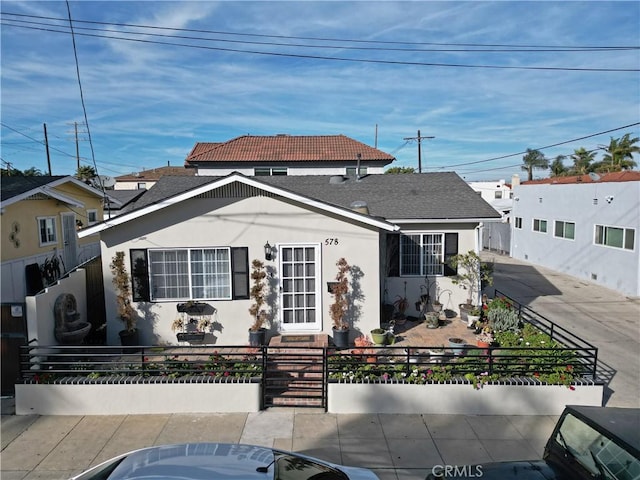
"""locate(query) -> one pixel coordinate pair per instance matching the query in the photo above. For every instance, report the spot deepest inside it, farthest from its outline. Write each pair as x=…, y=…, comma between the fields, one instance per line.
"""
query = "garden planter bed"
x=517, y=396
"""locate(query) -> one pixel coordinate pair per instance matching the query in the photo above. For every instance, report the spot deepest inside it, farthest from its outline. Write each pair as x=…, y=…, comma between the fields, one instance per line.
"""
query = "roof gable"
x=286, y=148
x=15, y=189
x=158, y=198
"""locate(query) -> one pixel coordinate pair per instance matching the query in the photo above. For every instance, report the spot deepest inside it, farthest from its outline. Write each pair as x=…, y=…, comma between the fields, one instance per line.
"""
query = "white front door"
x=300, y=287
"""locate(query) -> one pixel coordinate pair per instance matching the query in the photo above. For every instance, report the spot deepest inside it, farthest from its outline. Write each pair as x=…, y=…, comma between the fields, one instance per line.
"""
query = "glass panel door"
x=299, y=287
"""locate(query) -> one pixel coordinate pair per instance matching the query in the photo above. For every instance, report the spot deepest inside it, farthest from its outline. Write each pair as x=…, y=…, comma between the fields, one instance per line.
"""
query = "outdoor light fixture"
x=267, y=251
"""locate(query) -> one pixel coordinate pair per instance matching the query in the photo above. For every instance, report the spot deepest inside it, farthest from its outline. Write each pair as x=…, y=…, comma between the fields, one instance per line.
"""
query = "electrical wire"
x=339, y=59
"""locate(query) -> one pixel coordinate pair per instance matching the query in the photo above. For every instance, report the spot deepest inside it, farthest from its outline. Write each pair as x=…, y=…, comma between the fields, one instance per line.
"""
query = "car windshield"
x=596, y=452
x=288, y=467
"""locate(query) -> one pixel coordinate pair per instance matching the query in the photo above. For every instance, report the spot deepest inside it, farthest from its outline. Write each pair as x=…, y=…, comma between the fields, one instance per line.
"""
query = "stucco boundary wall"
x=132, y=399
x=460, y=398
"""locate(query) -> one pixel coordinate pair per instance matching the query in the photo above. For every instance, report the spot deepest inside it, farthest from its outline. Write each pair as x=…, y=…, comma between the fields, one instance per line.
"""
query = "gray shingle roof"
x=14, y=186
x=404, y=196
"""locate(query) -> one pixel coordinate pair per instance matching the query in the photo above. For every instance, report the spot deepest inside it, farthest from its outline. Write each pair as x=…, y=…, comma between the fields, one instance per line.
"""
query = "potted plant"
x=401, y=304
x=338, y=308
x=456, y=344
x=257, y=332
x=485, y=338
x=121, y=281
x=471, y=274
x=473, y=316
x=363, y=343
x=379, y=336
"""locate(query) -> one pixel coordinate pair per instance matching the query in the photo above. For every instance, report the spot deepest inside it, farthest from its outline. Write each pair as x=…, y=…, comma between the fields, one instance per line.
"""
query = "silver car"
x=214, y=461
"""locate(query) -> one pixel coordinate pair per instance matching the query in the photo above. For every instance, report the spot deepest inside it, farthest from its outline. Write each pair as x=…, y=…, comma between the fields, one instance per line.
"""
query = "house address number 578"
x=331, y=241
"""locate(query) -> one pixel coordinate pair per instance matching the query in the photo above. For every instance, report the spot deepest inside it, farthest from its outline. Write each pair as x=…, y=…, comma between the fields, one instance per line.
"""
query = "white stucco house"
x=586, y=226
x=194, y=237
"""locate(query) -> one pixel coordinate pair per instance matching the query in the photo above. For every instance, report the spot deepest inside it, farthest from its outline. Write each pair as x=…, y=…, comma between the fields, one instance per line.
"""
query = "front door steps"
x=295, y=372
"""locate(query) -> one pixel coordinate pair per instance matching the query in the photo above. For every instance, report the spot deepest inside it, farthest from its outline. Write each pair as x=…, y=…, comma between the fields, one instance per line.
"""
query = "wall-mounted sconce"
x=268, y=254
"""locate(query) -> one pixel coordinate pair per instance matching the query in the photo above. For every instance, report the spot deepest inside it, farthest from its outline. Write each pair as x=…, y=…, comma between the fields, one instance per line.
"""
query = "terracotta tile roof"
x=286, y=148
x=154, y=174
x=624, y=176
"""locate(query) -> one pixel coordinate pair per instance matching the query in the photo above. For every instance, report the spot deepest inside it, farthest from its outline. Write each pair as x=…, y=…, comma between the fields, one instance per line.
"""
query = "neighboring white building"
x=585, y=226
x=145, y=179
x=497, y=193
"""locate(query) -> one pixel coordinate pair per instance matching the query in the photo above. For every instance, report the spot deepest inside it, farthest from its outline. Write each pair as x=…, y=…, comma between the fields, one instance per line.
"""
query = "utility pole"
x=419, y=138
x=46, y=144
x=77, y=140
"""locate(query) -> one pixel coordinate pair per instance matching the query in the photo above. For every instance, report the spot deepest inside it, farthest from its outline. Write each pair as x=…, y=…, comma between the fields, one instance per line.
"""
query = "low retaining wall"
x=129, y=399
x=460, y=398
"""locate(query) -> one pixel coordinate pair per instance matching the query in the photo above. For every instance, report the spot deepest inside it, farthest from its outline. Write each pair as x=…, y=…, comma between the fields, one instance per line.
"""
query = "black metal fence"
x=571, y=361
x=144, y=364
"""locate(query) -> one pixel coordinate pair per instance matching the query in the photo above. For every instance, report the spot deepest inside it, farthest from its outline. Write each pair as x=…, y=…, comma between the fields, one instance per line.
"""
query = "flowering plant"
x=485, y=336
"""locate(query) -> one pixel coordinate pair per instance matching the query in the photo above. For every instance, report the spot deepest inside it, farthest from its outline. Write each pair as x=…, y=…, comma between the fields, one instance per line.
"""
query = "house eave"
x=443, y=220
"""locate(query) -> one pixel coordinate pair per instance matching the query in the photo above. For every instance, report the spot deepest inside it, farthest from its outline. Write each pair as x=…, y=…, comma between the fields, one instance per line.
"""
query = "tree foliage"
x=534, y=160
x=397, y=170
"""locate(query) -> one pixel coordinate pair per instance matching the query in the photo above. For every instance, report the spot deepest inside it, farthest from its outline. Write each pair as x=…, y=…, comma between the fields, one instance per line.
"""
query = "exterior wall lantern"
x=268, y=255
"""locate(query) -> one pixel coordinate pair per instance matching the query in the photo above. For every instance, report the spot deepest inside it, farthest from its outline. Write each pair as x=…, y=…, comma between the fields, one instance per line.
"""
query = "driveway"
x=603, y=317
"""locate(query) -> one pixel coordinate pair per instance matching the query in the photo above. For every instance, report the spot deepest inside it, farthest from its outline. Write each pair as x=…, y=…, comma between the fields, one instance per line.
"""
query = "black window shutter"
x=240, y=272
x=450, y=249
x=139, y=275
x=393, y=255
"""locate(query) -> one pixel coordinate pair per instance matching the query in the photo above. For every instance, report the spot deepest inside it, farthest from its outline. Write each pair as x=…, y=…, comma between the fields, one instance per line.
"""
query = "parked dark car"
x=587, y=443
x=219, y=461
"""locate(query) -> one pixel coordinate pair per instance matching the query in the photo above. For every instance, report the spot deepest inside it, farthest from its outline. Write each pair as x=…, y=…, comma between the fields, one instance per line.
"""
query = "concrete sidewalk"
x=396, y=447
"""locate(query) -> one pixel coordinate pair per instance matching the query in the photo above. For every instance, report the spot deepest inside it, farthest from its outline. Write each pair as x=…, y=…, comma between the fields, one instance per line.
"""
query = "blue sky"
x=147, y=104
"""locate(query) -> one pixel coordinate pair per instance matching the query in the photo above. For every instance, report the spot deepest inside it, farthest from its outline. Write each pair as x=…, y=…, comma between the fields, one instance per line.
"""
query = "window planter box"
x=190, y=336
x=192, y=308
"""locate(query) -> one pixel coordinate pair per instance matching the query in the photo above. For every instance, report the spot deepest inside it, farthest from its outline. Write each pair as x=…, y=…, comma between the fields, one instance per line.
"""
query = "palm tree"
x=582, y=161
x=619, y=154
x=534, y=159
x=557, y=166
x=85, y=173
x=32, y=172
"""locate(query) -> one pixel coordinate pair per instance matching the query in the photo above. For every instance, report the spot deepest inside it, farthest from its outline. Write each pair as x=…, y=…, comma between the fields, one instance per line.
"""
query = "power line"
x=339, y=59
x=344, y=40
x=476, y=48
x=541, y=148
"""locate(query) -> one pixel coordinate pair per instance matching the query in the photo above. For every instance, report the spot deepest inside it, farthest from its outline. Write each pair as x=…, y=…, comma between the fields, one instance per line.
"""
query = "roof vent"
x=360, y=207
x=336, y=179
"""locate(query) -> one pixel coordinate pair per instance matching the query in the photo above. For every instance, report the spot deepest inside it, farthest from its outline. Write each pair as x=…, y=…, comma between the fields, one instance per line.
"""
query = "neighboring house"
x=287, y=155
x=145, y=179
x=40, y=216
x=586, y=226
x=194, y=238
x=118, y=201
x=499, y=194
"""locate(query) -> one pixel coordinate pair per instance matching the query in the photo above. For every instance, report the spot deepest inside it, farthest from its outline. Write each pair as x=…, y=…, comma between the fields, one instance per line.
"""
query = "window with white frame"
x=565, y=230
x=92, y=217
x=539, y=225
x=497, y=194
x=47, y=231
x=190, y=273
x=422, y=254
x=617, y=237
x=270, y=171
x=518, y=222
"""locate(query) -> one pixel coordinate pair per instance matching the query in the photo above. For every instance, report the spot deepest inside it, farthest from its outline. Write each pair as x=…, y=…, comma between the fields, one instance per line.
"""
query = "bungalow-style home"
x=145, y=179
x=194, y=238
x=282, y=154
x=40, y=216
x=586, y=226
